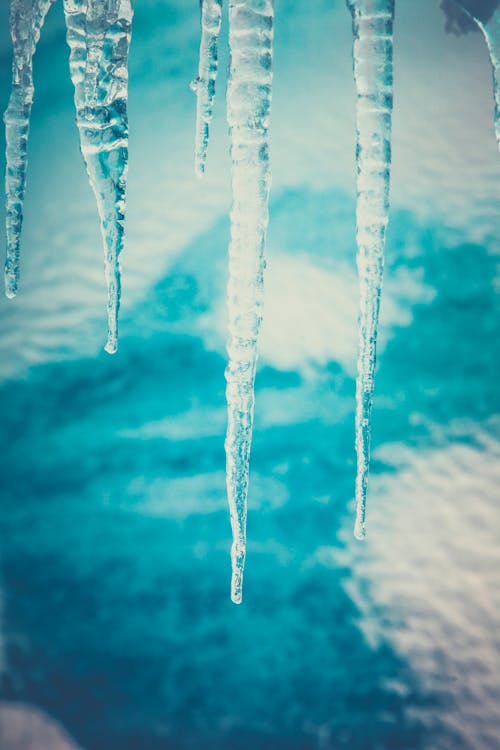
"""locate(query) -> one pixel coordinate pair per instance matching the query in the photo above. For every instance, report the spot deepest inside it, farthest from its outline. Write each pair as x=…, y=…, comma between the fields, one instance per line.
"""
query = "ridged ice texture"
x=98, y=33
x=248, y=104
x=204, y=84
x=26, y=21
x=372, y=29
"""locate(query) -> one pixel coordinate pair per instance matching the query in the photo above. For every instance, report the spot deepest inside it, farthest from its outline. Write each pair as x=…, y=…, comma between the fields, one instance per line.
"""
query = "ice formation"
x=249, y=89
x=26, y=21
x=99, y=37
x=204, y=84
x=372, y=54
x=487, y=17
x=251, y=25
x=98, y=33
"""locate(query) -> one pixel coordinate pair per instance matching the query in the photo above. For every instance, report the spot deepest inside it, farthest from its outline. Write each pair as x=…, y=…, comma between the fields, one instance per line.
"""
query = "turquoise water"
x=114, y=563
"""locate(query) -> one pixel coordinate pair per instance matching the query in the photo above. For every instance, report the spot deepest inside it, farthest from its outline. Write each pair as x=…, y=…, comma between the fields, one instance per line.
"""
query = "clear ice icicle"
x=98, y=33
x=487, y=18
x=204, y=84
x=372, y=53
x=26, y=21
x=251, y=24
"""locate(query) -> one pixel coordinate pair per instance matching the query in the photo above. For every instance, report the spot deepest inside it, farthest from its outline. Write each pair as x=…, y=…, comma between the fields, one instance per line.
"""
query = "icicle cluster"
x=26, y=21
x=98, y=34
x=372, y=29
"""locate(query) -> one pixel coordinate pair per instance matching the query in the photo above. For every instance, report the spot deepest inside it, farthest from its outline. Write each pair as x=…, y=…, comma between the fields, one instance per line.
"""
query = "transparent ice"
x=26, y=21
x=98, y=33
x=372, y=54
x=204, y=84
x=251, y=24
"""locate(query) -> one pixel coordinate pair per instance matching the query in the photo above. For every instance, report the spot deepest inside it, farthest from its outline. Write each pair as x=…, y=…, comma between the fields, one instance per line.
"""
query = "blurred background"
x=117, y=631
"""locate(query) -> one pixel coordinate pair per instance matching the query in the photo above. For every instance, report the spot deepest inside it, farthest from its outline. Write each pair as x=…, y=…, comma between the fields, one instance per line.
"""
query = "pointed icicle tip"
x=199, y=168
x=248, y=106
x=111, y=347
x=99, y=40
x=26, y=22
x=359, y=530
x=236, y=597
x=238, y=554
x=11, y=285
x=372, y=53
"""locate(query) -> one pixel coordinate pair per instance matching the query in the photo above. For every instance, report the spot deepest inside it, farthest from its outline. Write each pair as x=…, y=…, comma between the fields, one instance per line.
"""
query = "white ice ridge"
x=251, y=24
x=98, y=33
x=372, y=53
x=204, y=84
x=26, y=21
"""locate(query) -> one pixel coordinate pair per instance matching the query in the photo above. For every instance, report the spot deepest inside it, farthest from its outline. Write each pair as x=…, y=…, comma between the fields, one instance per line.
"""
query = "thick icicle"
x=248, y=103
x=204, y=84
x=372, y=29
x=98, y=33
x=487, y=18
x=26, y=21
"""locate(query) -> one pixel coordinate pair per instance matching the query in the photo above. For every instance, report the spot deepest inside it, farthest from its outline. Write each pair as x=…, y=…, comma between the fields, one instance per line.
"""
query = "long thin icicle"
x=488, y=20
x=372, y=29
x=98, y=33
x=26, y=21
x=204, y=84
x=248, y=104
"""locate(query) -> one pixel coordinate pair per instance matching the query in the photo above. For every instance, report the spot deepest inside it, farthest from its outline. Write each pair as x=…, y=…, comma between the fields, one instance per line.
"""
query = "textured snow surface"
x=451, y=638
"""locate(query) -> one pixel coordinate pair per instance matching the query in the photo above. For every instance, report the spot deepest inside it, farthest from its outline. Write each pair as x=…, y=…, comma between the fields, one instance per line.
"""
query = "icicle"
x=488, y=20
x=248, y=101
x=26, y=21
x=98, y=34
x=372, y=29
x=204, y=85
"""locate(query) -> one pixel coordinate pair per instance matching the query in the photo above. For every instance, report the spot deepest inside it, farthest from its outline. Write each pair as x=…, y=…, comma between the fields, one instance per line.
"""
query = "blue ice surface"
x=115, y=535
